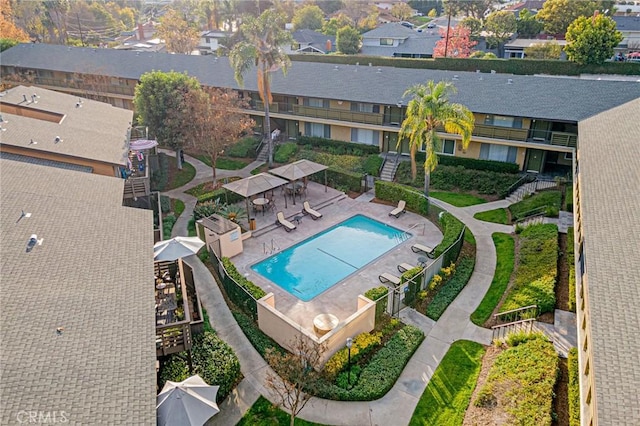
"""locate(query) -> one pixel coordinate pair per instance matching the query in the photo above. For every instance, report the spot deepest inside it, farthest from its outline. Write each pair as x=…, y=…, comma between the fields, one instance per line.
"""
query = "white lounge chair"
x=306, y=209
x=281, y=221
x=402, y=208
x=389, y=278
x=404, y=267
x=416, y=248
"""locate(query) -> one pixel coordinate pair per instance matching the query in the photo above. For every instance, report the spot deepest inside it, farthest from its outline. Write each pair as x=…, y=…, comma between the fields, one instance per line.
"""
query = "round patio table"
x=324, y=323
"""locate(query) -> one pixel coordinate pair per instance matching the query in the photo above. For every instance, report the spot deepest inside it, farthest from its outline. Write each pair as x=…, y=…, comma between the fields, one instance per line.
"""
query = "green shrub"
x=165, y=204
x=348, y=378
x=570, y=259
x=473, y=164
x=393, y=192
x=550, y=200
x=178, y=207
x=452, y=229
x=160, y=177
x=224, y=195
x=362, y=345
x=212, y=359
x=253, y=289
x=574, y=388
x=206, y=209
x=450, y=290
x=382, y=371
x=260, y=341
x=167, y=225
x=522, y=378
x=537, y=269
x=377, y=294
x=520, y=337
x=284, y=152
x=338, y=147
x=245, y=148
x=372, y=165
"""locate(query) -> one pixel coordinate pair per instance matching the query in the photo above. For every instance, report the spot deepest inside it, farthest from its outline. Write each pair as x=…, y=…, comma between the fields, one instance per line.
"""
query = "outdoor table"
x=262, y=202
x=422, y=261
x=324, y=323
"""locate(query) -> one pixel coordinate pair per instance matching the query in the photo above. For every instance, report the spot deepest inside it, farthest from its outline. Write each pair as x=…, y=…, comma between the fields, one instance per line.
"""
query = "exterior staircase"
x=263, y=155
x=529, y=188
x=389, y=169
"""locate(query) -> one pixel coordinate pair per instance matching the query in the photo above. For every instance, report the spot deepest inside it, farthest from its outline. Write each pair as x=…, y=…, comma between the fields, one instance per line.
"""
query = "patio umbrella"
x=141, y=144
x=298, y=170
x=190, y=402
x=177, y=247
x=252, y=185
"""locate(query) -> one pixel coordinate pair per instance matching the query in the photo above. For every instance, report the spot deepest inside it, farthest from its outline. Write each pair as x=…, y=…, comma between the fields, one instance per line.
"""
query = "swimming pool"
x=318, y=263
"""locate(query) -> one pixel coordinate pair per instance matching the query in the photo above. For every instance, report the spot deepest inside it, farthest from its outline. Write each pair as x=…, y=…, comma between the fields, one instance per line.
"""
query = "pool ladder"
x=270, y=250
x=405, y=235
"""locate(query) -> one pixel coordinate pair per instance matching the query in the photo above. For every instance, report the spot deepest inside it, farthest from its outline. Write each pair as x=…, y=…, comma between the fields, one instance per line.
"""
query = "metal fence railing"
x=238, y=294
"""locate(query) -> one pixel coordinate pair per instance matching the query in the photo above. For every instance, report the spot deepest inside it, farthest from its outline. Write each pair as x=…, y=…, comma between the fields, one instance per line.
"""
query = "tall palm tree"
x=428, y=110
x=263, y=38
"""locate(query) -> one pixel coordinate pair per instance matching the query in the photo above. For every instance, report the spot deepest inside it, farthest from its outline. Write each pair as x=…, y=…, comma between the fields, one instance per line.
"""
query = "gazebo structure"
x=298, y=170
x=253, y=185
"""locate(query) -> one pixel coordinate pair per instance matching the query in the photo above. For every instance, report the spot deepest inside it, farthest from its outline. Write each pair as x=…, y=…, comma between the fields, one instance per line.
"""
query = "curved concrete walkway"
x=397, y=406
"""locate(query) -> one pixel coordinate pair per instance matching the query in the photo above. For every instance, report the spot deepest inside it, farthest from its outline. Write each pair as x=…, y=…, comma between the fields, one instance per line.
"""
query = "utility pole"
x=80, y=29
x=446, y=40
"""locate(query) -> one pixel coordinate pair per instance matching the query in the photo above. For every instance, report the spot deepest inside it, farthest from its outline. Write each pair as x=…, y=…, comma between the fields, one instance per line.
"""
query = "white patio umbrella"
x=190, y=402
x=177, y=247
x=141, y=144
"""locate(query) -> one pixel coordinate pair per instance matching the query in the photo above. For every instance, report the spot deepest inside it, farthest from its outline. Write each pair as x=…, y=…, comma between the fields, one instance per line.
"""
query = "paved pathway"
x=397, y=406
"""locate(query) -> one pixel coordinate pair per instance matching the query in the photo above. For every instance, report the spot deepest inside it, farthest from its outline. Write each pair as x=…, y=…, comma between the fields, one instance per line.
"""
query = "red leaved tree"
x=459, y=46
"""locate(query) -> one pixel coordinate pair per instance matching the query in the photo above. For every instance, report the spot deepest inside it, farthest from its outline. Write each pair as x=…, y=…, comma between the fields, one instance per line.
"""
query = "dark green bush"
x=450, y=290
x=393, y=192
x=377, y=294
x=452, y=227
x=474, y=164
x=574, y=388
x=372, y=165
x=253, y=289
x=342, y=180
x=572, y=269
x=258, y=339
x=537, y=269
x=225, y=196
x=284, y=152
x=550, y=200
x=338, y=147
x=165, y=204
x=167, y=225
x=245, y=148
x=160, y=177
x=382, y=371
x=206, y=209
x=213, y=360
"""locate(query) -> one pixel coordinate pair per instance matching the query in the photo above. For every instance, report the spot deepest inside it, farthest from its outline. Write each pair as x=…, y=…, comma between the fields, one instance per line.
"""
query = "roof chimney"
x=328, y=46
x=140, y=31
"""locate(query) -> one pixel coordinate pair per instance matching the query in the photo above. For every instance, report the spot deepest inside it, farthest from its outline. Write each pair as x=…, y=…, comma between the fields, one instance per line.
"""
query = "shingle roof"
x=552, y=98
x=92, y=276
x=413, y=45
x=391, y=30
x=609, y=156
x=95, y=131
x=307, y=37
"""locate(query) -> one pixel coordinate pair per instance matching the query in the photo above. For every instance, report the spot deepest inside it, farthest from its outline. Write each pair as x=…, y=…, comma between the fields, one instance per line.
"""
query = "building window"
x=316, y=102
x=502, y=153
x=386, y=42
x=503, y=121
x=318, y=130
x=361, y=107
x=568, y=155
x=586, y=369
x=447, y=147
x=368, y=137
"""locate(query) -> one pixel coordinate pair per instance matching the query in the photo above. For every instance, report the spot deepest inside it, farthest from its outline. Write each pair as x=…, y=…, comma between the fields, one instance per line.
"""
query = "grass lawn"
x=223, y=163
x=178, y=178
x=505, y=246
x=447, y=396
x=457, y=199
x=177, y=206
x=262, y=412
x=191, y=228
x=495, y=216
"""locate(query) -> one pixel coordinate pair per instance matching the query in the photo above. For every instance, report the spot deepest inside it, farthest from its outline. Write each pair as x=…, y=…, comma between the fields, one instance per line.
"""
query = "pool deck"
x=341, y=299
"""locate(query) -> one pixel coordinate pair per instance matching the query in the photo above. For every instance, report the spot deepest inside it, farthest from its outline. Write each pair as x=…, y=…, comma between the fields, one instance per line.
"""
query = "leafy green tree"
x=500, y=26
x=348, y=40
x=558, y=14
x=474, y=25
x=177, y=34
x=591, y=40
x=332, y=26
x=426, y=6
x=402, y=11
x=428, y=110
x=158, y=99
x=309, y=17
x=432, y=13
x=330, y=6
x=263, y=37
x=527, y=25
x=475, y=8
x=543, y=51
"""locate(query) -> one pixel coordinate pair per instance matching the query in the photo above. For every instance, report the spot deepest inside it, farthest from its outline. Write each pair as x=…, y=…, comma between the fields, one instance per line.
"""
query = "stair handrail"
x=384, y=160
x=529, y=214
x=517, y=310
x=526, y=178
x=512, y=323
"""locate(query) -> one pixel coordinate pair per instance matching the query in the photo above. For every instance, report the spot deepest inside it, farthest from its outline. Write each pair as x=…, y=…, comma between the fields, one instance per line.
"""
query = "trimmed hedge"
x=506, y=66
x=333, y=146
x=549, y=199
x=452, y=227
x=363, y=344
x=377, y=294
x=537, y=270
x=572, y=269
x=225, y=195
x=523, y=377
x=393, y=192
x=372, y=164
x=213, y=360
x=382, y=371
x=245, y=148
x=284, y=152
x=253, y=289
x=474, y=164
x=451, y=289
x=574, y=387
x=167, y=225
x=258, y=339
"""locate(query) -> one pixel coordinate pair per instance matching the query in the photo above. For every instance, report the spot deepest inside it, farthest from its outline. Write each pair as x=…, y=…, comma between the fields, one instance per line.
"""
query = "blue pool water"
x=317, y=263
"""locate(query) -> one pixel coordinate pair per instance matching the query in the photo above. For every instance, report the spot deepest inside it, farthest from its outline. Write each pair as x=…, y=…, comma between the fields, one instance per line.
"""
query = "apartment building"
x=537, y=122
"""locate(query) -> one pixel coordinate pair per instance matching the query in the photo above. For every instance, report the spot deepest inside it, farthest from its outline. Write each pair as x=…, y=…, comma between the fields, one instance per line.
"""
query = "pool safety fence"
x=238, y=294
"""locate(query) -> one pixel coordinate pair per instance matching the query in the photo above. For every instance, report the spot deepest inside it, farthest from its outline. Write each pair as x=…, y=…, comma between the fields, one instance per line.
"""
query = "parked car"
x=431, y=25
x=407, y=24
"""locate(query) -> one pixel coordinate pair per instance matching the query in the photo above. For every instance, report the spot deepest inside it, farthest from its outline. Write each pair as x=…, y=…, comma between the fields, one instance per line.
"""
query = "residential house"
x=515, y=49
x=629, y=26
x=537, y=122
x=309, y=41
x=77, y=335
x=398, y=41
x=210, y=41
